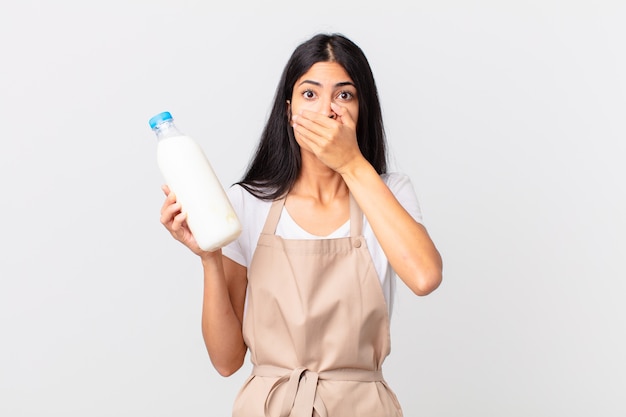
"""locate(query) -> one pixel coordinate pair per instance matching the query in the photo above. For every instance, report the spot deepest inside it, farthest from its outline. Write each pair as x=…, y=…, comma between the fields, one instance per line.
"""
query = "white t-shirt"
x=252, y=213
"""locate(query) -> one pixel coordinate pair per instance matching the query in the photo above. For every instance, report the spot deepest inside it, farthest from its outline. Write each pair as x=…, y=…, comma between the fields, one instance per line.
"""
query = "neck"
x=319, y=182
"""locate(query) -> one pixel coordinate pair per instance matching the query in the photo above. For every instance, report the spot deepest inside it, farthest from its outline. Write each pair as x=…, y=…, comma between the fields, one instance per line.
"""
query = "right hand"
x=175, y=221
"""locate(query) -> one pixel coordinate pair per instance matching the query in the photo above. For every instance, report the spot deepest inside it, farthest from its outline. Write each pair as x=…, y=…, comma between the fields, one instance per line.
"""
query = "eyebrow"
x=340, y=84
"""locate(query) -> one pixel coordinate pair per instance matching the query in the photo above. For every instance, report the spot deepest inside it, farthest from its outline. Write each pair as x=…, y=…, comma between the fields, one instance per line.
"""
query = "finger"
x=168, y=212
x=343, y=115
x=315, y=118
x=179, y=221
x=166, y=189
x=311, y=138
x=314, y=126
x=169, y=200
x=171, y=195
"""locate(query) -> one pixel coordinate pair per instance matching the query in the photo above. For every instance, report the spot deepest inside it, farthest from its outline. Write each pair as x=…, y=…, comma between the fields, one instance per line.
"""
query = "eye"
x=308, y=94
x=345, y=95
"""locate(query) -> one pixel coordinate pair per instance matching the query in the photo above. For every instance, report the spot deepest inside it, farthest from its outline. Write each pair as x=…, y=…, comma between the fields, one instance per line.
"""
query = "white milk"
x=188, y=173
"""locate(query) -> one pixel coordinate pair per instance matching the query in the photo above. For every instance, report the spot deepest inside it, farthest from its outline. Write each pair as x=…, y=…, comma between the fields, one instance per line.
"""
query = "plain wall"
x=508, y=116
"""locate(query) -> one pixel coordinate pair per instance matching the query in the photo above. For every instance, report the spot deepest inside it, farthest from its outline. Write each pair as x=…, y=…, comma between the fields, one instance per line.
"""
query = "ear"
x=288, y=110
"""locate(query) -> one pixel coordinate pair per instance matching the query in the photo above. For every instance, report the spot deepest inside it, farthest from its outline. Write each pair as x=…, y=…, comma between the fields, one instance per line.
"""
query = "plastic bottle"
x=188, y=173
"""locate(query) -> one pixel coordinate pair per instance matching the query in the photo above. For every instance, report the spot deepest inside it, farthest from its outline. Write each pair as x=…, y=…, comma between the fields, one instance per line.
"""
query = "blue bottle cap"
x=160, y=118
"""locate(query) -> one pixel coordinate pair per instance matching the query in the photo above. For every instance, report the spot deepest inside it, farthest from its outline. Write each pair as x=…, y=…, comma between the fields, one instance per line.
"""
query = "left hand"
x=333, y=141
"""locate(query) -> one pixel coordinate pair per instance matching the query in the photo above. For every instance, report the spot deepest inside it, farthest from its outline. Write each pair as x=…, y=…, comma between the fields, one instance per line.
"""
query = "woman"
x=307, y=287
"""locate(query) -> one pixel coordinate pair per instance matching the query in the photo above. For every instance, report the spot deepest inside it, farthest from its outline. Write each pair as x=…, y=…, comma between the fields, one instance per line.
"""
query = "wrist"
x=209, y=258
x=353, y=169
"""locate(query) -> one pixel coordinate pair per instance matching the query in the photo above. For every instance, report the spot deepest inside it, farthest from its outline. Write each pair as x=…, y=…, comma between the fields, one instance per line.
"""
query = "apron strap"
x=301, y=397
x=269, y=228
x=356, y=218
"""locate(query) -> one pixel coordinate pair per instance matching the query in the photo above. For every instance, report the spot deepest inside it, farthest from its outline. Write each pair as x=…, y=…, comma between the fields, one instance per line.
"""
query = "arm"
x=222, y=312
x=406, y=243
x=224, y=294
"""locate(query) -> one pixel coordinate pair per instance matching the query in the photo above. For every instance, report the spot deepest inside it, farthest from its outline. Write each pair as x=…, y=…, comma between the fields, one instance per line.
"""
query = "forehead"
x=326, y=73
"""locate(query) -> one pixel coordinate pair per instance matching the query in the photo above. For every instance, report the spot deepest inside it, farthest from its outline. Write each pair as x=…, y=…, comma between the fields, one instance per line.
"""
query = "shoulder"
x=402, y=188
x=396, y=180
x=237, y=194
x=243, y=201
x=252, y=212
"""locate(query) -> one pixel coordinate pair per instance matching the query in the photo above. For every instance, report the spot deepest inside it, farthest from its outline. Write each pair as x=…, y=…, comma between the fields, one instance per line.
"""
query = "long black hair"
x=277, y=161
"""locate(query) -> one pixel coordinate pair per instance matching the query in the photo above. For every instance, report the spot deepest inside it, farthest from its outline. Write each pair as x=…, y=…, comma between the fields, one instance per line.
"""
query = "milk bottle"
x=188, y=173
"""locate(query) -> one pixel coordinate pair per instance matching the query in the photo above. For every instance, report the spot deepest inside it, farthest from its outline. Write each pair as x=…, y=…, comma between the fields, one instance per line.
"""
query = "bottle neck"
x=166, y=130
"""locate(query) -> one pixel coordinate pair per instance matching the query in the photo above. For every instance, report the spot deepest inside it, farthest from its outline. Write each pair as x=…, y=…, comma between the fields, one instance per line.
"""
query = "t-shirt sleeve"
x=402, y=187
x=235, y=249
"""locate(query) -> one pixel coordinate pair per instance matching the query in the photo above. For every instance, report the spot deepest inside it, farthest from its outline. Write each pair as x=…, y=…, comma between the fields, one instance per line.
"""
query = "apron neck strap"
x=274, y=215
x=356, y=217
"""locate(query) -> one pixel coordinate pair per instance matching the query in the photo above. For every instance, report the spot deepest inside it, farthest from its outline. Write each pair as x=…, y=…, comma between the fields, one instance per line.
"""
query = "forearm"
x=406, y=243
x=221, y=327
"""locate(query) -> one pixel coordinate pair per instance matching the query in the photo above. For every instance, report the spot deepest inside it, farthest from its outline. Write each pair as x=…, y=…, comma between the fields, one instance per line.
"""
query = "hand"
x=174, y=220
x=333, y=141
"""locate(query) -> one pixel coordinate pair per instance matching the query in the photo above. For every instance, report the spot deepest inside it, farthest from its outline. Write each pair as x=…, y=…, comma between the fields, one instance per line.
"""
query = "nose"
x=327, y=109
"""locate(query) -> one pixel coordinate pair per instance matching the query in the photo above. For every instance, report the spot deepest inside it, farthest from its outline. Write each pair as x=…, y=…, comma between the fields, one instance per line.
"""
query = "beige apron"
x=317, y=327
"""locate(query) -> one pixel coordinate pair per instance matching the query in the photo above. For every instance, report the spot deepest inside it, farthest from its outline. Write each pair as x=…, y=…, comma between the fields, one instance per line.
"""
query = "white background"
x=508, y=116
